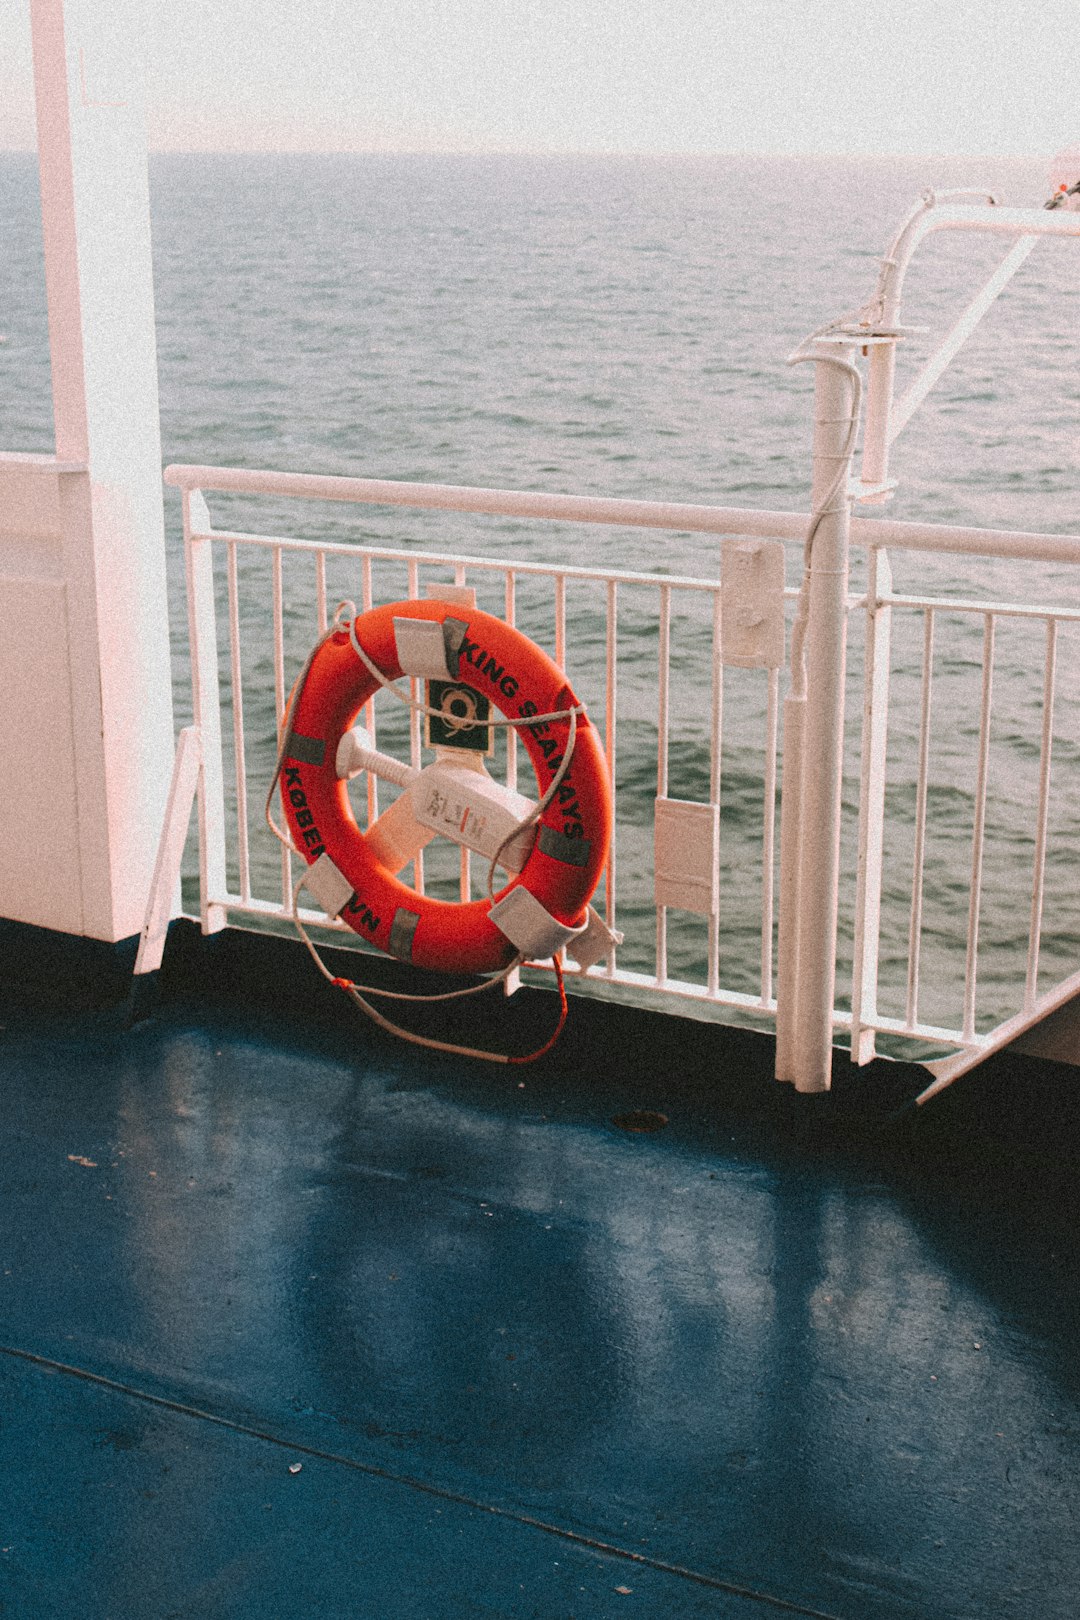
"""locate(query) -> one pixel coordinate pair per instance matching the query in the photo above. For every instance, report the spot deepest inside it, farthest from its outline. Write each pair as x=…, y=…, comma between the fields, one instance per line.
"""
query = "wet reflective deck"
x=299, y=1322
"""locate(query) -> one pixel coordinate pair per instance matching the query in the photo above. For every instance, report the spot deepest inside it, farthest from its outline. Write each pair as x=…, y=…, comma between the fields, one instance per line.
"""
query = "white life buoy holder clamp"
x=545, y=905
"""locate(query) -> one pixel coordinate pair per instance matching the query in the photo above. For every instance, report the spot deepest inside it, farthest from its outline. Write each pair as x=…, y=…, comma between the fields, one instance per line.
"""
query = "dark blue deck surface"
x=529, y=1364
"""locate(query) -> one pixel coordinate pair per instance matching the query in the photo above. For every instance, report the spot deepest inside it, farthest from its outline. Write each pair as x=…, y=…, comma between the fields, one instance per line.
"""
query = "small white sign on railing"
x=752, y=606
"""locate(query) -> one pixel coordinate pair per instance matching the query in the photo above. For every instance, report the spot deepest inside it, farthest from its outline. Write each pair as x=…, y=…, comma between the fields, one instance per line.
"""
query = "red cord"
x=531, y=1057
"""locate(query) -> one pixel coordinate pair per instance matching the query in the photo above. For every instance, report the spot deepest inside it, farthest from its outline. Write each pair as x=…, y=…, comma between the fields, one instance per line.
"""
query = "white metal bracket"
x=187, y=764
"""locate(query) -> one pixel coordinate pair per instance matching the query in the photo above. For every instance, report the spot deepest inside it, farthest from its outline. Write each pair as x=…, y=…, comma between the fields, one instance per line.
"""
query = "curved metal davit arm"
x=931, y=216
x=877, y=323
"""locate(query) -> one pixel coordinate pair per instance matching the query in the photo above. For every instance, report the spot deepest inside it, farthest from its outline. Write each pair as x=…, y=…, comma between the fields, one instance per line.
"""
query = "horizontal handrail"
x=443, y=559
x=1017, y=544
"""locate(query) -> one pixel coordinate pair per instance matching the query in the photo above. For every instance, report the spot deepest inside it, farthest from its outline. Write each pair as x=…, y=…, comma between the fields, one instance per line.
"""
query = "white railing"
x=711, y=731
x=670, y=614
x=699, y=720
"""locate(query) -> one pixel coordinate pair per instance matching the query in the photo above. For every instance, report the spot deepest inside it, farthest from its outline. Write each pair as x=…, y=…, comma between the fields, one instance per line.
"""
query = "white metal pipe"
x=416, y=756
x=493, y=502
x=768, y=838
x=366, y=600
x=919, y=858
x=236, y=682
x=277, y=618
x=961, y=217
x=560, y=620
x=1021, y=544
x=206, y=709
x=321, y=618
x=877, y=433
x=1031, y=984
x=810, y=1000
x=787, y=956
x=611, y=696
x=975, y=605
x=971, y=965
x=877, y=670
x=715, y=756
x=662, y=721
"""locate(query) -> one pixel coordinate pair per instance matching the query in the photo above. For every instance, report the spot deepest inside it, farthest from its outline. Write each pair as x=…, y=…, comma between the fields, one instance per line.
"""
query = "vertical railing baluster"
x=662, y=724
x=715, y=757
x=279, y=699
x=768, y=840
x=611, y=696
x=560, y=620
x=509, y=610
x=416, y=720
x=320, y=592
x=877, y=655
x=1031, y=982
x=919, y=856
x=366, y=600
x=971, y=964
x=239, y=760
x=206, y=708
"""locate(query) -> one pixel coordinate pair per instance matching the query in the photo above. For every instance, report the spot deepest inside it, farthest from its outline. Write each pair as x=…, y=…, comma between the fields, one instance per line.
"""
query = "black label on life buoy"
x=463, y=718
x=305, y=821
x=489, y=667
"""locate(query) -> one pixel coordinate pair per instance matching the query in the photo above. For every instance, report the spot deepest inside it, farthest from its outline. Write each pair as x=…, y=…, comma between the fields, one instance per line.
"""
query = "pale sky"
x=688, y=76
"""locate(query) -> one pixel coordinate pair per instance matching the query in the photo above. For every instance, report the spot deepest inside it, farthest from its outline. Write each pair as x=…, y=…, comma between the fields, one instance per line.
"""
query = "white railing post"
x=871, y=807
x=814, y=745
x=206, y=706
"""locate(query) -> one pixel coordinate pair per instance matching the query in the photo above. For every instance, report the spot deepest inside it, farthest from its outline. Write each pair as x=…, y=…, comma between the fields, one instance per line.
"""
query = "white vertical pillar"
x=810, y=863
x=95, y=212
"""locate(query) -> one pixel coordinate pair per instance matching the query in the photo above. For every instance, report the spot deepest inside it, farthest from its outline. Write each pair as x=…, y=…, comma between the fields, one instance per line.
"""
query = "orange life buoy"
x=497, y=662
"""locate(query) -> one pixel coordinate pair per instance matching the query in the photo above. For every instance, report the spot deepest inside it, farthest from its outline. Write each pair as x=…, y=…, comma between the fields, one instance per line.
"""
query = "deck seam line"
x=375, y=1471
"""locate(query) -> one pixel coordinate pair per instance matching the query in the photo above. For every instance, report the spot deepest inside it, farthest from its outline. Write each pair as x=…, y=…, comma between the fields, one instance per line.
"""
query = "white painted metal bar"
x=321, y=616
x=560, y=620
x=662, y=723
x=768, y=840
x=416, y=691
x=611, y=694
x=978, y=606
x=206, y=706
x=905, y=407
x=182, y=791
x=946, y=1070
x=787, y=955
x=277, y=612
x=1031, y=982
x=919, y=859
x=715, y=762
x=880, y=382
x=933, y=216
x=878, y=531
x=807, y=999
x=366, y=601
x=510, y=732
x=493, y=502
x=877, y=664
x=978, y=831
x=237, y=693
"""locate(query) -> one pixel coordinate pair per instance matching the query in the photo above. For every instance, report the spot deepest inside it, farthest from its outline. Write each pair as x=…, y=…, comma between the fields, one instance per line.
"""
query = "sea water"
x=620, y=326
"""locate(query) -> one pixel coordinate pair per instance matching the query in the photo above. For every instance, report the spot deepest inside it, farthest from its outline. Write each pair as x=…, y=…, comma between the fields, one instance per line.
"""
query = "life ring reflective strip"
x=498, y=663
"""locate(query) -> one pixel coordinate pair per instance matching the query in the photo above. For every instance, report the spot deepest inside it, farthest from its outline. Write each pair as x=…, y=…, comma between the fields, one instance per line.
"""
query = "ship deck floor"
x=295, y=1321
